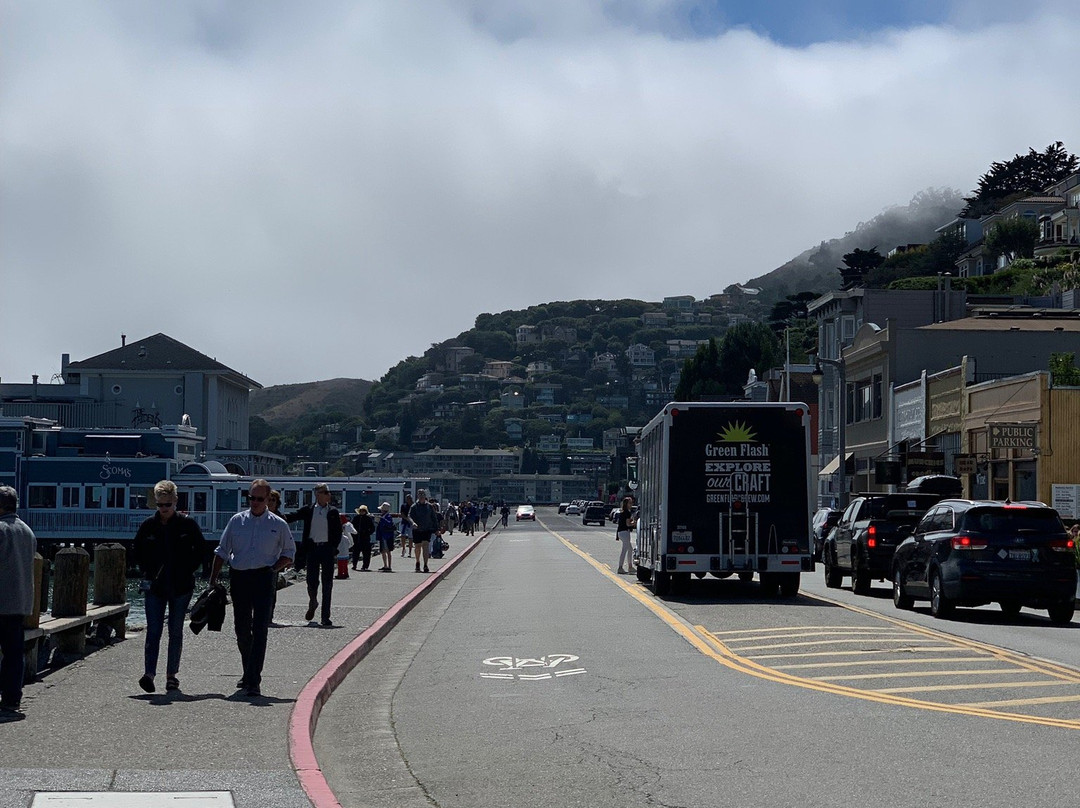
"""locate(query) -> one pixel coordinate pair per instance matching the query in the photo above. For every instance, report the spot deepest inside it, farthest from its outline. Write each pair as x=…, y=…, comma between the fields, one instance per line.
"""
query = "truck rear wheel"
x=789, y=584
x=768, y=584
x=661, y=582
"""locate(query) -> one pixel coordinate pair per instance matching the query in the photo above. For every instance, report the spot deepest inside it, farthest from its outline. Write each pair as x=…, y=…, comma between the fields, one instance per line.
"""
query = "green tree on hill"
x=1021, y=176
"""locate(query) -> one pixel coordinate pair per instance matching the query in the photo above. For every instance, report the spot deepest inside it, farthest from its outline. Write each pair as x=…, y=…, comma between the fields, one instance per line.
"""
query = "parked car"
x=594, y=512
x=525, y=512
x=573, y=509
x=867, y=534
x=563, y=506
x=824, y=520
x=972, y=552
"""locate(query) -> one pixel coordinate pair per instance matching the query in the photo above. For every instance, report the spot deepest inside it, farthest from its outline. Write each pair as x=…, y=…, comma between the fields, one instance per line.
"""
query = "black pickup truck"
x=865, y=538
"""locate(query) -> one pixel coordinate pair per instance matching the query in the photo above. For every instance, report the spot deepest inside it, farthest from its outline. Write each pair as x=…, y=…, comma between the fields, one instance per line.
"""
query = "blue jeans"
x=155, y=623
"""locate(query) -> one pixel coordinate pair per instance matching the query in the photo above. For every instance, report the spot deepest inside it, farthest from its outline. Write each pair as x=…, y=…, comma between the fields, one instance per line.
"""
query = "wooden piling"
x=110, y=586
x=70, y=590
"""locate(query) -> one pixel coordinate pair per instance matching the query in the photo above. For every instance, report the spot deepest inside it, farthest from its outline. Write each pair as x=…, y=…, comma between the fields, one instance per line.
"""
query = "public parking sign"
x=1014, y=436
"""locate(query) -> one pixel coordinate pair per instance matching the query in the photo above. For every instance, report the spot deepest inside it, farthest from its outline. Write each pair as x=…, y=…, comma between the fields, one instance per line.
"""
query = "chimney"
x=123, y=340
x=35, y=378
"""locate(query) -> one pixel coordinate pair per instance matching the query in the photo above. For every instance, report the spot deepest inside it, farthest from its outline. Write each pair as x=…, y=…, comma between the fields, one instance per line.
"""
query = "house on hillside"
x=641, y=356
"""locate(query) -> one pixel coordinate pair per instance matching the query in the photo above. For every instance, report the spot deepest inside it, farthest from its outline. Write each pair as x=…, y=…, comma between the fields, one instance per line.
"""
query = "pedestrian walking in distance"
x=256, y=545
x=384, y=533
x=425, y=524
x=365, y=529
x=17, y=548
x=168, y=549
x=624, y=525
x=322, y=534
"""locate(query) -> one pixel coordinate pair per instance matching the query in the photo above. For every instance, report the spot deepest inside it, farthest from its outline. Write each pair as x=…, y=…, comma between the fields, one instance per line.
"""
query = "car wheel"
x=900, y=599
x=1010, y=608
x=940, y=606
x=1062, y=613
x=860, y=575
x=833, y=576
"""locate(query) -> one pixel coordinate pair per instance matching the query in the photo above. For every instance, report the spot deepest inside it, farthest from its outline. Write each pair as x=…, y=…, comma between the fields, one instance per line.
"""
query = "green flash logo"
x=736, y=432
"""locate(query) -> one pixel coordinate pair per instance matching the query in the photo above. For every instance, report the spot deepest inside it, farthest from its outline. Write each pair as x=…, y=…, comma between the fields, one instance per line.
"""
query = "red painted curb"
x=320, y=687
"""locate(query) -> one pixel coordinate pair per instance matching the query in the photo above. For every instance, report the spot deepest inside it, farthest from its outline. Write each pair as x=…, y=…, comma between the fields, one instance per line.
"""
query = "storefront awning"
x=833, y=466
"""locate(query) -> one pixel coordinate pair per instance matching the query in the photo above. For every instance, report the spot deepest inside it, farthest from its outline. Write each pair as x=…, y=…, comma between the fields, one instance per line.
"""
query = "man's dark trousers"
x=253, y=597
x=321, y=560
x=11, y=667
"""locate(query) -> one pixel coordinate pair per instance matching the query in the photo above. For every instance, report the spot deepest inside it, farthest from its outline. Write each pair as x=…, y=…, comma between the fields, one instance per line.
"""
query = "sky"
x=306, y=191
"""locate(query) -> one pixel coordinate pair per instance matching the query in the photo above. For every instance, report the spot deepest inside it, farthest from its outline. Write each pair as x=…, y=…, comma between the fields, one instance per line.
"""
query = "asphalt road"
x=534, y=676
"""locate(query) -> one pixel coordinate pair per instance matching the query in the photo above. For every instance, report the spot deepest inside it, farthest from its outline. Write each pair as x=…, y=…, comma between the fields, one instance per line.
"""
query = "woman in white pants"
x=625, y=524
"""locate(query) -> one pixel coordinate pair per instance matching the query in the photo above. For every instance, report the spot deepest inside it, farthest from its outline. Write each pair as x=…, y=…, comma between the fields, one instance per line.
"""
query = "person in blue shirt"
x=257, y=545
x=384, y=534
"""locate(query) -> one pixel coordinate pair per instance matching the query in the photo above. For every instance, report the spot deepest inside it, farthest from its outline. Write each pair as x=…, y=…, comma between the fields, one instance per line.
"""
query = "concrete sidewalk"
x=89, y=727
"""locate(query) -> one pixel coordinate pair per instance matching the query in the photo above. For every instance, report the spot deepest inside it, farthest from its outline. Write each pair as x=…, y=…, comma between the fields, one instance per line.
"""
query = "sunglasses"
x=165, y=504
x=257, y=499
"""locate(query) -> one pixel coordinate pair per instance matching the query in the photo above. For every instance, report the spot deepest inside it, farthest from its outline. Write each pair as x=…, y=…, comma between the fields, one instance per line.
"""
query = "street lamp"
x=818, y=375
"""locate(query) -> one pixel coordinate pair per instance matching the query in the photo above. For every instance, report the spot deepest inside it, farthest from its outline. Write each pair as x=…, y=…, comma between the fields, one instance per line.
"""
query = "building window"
x=876, y=395
x=115, y=497
x=93, y=497
x=70, y=496
x=117, y=389
x=42, y=496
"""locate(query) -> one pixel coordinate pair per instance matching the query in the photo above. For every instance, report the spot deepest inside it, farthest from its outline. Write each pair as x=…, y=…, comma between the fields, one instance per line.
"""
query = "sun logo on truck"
x=737, y=432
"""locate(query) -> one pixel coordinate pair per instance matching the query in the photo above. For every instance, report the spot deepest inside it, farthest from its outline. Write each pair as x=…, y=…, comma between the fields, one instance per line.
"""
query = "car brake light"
x=964, y=541
x=871, y=536
x=1063, y=545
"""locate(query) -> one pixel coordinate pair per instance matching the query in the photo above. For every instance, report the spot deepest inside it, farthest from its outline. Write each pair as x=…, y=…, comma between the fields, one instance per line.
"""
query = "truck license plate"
x=682, y=536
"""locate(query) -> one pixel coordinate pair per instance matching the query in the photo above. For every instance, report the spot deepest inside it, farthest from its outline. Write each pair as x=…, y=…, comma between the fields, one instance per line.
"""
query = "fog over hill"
x=815, y=269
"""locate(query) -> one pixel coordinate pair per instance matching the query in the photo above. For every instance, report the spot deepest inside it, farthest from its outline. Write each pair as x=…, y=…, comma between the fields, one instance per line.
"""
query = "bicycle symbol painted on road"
x=531, y=669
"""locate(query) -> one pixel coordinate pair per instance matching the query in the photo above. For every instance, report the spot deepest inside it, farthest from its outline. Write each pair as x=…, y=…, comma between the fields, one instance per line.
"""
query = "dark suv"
x=824, y=520
x=968, y=552
x=863, y=542
x=594, y=512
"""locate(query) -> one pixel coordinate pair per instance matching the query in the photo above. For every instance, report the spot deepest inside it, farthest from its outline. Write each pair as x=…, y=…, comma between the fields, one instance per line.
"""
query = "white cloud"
x=320, y=190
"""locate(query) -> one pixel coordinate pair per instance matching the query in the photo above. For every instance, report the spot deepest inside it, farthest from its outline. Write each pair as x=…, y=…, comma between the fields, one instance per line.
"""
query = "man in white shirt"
x=257, y=544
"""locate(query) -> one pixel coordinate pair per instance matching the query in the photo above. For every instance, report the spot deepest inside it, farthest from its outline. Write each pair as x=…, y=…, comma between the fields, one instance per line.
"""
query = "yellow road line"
x=712, y=647
x=1023, y=702
x=880, y=662
x=819, y=642
x=763, y=631
x=971, y=686
x=915, y=674
x=930, y=649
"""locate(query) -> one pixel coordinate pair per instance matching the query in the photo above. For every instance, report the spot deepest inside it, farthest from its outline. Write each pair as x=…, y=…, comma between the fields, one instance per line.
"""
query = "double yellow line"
x=711, y=646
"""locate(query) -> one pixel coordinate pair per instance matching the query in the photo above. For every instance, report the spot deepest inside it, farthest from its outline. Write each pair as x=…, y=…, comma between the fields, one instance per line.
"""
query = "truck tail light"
x=965, y=541
x=871, y=536
x=1063, y=545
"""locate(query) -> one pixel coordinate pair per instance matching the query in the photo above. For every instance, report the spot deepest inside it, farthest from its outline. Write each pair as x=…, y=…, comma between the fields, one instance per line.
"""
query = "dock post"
x=32, y=620
x=70, y=588
x=110, y=587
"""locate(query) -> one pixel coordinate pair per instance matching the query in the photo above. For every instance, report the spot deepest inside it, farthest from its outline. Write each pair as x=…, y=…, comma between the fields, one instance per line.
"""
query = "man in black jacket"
x=169, y=547
x=322, y=535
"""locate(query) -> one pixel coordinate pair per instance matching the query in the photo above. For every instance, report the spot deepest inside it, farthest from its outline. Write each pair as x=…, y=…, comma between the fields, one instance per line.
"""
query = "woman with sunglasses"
x=168, y=548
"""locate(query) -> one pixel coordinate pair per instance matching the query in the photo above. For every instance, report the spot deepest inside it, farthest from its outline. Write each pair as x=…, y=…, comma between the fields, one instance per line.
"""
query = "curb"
x=309, y=704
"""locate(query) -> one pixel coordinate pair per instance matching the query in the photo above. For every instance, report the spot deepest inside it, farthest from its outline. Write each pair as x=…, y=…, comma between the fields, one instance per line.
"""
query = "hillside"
x=280, y=405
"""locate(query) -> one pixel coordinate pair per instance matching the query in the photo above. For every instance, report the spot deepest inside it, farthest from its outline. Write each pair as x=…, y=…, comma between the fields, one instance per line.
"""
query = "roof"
x=1004, y=322
x=157, y=352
